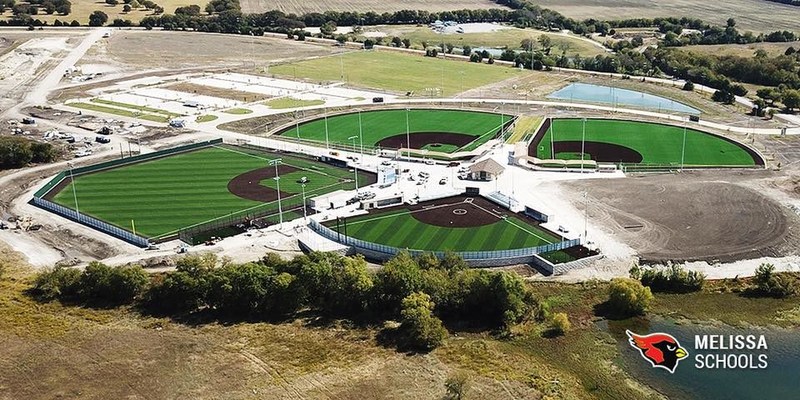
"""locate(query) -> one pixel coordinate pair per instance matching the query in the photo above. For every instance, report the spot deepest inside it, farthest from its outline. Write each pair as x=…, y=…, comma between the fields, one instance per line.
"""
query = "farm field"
x=623, y=141
x=299, y=7
x=505, y=36
x=82, y=8
x=429, y=227
x=741, y=50
x=758, y=16
x=440, y=130
x=397, y=72
x=165, y=195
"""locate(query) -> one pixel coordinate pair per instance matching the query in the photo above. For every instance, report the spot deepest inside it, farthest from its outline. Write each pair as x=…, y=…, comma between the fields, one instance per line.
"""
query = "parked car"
x=102, y=139
x=443, y=181
x=377, y=99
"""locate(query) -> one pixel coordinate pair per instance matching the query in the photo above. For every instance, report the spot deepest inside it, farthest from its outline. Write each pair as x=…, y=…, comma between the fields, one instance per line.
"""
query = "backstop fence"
x=39, y=199
x=472, y=258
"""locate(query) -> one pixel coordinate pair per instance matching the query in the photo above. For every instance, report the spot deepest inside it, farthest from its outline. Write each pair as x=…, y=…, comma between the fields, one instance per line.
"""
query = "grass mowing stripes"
x=398, y=228
x=658, y=144
x=165, y=195
x=377, y=125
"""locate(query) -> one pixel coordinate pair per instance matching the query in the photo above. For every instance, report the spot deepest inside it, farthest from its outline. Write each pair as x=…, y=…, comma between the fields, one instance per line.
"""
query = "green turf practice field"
x=399, y=228
x=164, y=195
x=656, y=144
x=474, y=128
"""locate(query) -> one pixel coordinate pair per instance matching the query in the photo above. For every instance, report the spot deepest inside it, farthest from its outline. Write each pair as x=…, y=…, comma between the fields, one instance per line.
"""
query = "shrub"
x=688, y=86
x=456, y=386
x=422, y=329
x=57, y=283
x=672, y=279
x=116, y=285
x=559, y=324
x=769, y=283
x=628, y=297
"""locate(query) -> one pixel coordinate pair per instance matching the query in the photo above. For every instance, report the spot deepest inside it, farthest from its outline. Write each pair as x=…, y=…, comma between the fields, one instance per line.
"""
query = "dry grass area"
x=82, y=8
x=509, y=37
x=299, y=7
x=162, y=49
x=742, y=50
x=222, y=93
x=755, y=15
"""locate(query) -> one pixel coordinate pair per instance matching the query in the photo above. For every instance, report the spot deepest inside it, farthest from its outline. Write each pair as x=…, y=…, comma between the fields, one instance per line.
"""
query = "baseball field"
x=445, y=131
x=455, y=223
x=643, y=143
x=158, y=198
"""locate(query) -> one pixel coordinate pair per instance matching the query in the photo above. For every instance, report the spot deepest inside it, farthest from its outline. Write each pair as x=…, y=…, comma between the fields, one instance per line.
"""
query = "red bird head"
x=661, y=349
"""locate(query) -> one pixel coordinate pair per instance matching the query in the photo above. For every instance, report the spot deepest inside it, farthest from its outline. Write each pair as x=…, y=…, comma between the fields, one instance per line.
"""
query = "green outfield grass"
x=165, y=195
x=397, y=72
x=658, y=144
x=377, y=125
x=400, y=229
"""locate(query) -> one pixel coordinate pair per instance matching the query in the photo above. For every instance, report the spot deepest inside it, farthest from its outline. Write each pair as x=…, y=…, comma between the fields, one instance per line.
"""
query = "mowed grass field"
x=377, y=125
x=658, y=144
x=400, y=229
x=397, y=72
x=167, y=194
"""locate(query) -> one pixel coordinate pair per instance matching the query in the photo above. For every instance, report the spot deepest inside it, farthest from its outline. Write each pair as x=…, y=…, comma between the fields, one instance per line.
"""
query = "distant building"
x=486, y=170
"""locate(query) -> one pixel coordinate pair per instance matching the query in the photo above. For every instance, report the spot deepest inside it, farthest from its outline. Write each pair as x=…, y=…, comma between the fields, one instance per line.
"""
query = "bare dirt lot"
x=299, y=7
x=188, y=87
x=149, y=49
x=693, y=215
x=756, y=15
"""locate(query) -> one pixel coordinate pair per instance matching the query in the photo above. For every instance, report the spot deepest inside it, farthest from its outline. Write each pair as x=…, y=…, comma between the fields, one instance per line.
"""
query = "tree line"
x=423, y=294
x=17, y=152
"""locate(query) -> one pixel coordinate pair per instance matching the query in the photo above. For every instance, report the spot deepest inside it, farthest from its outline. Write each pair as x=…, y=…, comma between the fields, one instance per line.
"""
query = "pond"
x=620, y=97
x=779, y=380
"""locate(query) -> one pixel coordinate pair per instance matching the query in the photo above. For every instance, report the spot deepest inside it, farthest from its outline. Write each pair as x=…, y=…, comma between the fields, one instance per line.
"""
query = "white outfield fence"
x=472, y=258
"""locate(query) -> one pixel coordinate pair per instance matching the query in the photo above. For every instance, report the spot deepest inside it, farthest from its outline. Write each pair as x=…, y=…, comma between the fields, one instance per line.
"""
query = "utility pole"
x=583, y=143
x=408, y=135
x=74, y=190
x=355, y=164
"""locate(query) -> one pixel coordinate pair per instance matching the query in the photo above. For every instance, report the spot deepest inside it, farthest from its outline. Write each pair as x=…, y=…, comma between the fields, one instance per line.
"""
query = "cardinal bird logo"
x=660, y=349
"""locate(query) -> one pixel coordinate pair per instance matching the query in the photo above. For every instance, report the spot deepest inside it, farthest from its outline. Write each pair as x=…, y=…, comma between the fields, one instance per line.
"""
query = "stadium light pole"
x=305, y=216
x=360, y=136
x=583, y=142
x=74, y=190
x=355, y=164
x=277, y=178
x=408, y=135
x=585, y=215
x=683, y=148
x=327, y=143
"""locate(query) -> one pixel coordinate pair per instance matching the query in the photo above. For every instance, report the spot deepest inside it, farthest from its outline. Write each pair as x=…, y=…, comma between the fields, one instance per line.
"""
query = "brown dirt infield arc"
x=442, y=212
x=248, y=185
x=421, y=139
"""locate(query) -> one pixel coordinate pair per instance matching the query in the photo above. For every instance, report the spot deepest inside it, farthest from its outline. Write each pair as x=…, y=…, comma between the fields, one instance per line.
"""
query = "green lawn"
x=400, y=229
x=377, y=125
x=135, y=107
x=167, y=194
x=119, y=111
x=291, y=102
x=658, y=144
x=238, y=111
x=397, y=72
x=206, y=118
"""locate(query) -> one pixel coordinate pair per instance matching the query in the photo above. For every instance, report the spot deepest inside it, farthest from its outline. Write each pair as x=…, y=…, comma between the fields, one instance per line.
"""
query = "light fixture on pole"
x=277, y=178
x=355, y=164
x=585, y=215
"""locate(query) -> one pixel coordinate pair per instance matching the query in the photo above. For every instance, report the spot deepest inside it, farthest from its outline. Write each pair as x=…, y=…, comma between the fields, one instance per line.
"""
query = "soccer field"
x=656, y=144
x=439, y=130
x=162, y=196
x=426, y=228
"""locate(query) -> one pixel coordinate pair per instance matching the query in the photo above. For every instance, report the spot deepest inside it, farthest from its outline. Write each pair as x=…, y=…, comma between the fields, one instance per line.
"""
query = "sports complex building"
x=378, y=181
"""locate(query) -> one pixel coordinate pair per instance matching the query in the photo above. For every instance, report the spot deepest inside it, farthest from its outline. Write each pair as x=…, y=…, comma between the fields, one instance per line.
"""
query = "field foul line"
x=514, y=224
x=244, y=210
x=408, y=212
x=487, y=132
x=267, y=159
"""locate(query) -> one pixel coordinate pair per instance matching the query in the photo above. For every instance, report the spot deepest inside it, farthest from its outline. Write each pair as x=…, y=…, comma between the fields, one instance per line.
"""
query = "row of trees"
x=62, y=7
x=419, y=293
x=17, y=152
